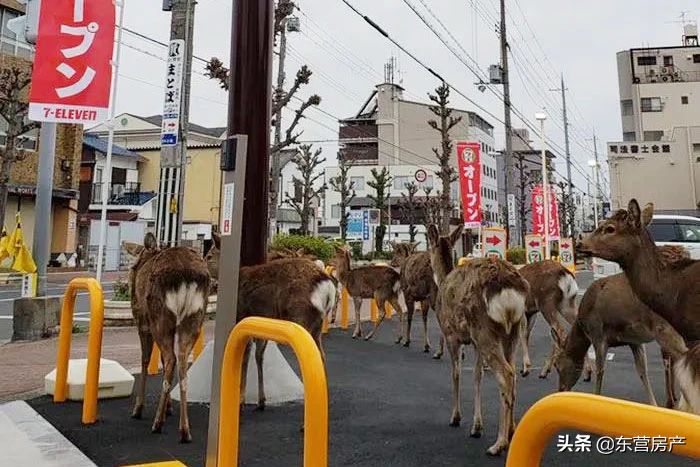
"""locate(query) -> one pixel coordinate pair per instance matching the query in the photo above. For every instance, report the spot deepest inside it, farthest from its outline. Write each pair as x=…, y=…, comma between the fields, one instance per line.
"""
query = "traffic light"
x=27, y=26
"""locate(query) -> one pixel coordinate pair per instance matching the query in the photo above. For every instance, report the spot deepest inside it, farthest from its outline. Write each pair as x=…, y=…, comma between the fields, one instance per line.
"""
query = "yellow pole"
x=373, y=310
x=389, y=310
x=344, y=308
x=324, y=326
x=94, y=345
x=313, y=375
x=155, y=359
x=198, y=346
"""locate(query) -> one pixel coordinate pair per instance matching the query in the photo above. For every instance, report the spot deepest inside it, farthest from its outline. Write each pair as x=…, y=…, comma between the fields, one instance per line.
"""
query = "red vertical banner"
x=469, y=164
x=538, y=213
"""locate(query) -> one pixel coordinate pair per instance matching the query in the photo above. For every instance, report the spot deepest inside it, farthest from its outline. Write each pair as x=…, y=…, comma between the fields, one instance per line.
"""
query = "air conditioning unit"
x=652, y=72
x=636, y=80
x=653, y=80
x=665, y=70
x=666, y=78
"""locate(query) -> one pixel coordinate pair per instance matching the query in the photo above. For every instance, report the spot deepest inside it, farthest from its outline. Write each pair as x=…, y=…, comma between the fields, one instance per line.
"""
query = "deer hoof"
x=543, y=375
x=260, y=407
x=495, y=450
x=368, y=337
x=185, y=436
x=475, y=432
x=587, y=378
x=426, y=349
x=455, y=421
x=437, y=356
x=158, y=428
x=136, y=414
x=525, y=372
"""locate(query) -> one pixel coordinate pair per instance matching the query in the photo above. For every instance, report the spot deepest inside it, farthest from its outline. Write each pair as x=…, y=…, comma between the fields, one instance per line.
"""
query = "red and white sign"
x=227, y=209
x=469, y=163
x=72, y=72
x=566, y=254
x=493, y=242
x=538, y=213
x=534, y=248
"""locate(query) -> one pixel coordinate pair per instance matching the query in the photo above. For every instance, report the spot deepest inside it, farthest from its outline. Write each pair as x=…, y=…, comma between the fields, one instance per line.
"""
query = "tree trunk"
x=5, y=168
x=379, y=238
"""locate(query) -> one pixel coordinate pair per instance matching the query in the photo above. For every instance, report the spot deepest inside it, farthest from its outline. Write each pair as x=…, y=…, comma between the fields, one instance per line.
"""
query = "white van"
x=665, y=229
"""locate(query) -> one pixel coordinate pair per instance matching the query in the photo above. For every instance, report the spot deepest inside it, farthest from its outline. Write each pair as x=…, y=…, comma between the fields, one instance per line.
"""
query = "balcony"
x=124, y=194
x=355, y=132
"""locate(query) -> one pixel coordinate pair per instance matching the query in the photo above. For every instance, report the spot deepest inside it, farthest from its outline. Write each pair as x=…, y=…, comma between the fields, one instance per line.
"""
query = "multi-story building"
x=391, y=131
x=658, y=157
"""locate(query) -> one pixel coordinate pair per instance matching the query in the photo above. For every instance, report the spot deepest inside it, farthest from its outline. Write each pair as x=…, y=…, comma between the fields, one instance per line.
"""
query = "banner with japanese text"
x=538, y=213
x=469, y=164
x=72, y=73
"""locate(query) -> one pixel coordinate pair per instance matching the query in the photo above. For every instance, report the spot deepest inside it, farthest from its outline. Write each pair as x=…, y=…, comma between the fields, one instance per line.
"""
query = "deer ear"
x=456, y=234
x=132, y=249
x=150, y=242
x=433, y=235
x=647, y=214
x=634, y=213
x=300, y=252
x=338, y=249
x=412, y=247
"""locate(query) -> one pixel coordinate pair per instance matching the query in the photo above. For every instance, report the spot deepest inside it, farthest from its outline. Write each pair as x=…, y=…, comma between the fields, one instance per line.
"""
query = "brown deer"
x=381, y=283
x=481, y=303
x=670, y=290
x=291, y=289
x=169, y=294
x=553, y=291
x=417, y=285
x=610, y=315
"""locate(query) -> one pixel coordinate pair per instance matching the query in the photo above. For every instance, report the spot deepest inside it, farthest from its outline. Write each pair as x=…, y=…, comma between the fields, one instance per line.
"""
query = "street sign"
x=365, y=225
x=28, y=287
x=470, y=182
x=355, y=224
x=493, y=242
x=534, y=248
x=72, y=72
x=566, y=254
x=173, y=93
x=227, y=209
x=421, y=176
x=511, y=211
x=373, y=216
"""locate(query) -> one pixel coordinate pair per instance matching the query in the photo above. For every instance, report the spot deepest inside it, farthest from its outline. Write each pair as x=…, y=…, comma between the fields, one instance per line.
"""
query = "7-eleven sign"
x=493, y=242
x=566, y=254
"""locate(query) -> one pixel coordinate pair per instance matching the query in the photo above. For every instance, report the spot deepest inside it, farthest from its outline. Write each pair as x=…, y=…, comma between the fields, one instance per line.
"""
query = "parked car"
x=665, y=229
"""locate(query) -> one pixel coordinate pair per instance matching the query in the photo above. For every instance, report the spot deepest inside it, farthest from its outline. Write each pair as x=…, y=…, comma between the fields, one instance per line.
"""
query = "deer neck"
x=646, y=275
x=441, y=261
x=343, y=269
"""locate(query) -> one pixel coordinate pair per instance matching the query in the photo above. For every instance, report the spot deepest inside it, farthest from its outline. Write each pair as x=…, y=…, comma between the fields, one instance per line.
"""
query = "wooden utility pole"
x=508, y=154
x=570, y=216
x=276, y=165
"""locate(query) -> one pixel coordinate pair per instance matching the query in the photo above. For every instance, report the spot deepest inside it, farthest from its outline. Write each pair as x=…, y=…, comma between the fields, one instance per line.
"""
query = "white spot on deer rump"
x=507, y=308
x=689, y=385
x=320, y=264
x=184, y=301
x=323, y=297
x=568, y=286
x=397, y=286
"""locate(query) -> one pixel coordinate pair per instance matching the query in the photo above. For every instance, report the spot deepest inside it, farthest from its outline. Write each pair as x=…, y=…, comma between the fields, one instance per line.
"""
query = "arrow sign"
x=534, y=244
x=565, y=245
x=493, y=240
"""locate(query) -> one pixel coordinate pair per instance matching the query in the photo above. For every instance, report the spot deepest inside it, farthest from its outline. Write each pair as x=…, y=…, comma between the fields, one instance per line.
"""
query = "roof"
x=100, y=145
x=215, y=132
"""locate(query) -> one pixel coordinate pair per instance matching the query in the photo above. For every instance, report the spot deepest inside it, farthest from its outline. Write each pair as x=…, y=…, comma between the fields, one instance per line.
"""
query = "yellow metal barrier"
x=373, y=310
x=600, y=415
x=324, y=327
x=313, y=375
x=94, y=345
x=389, y=310
x=154, y=363
x=344, y=308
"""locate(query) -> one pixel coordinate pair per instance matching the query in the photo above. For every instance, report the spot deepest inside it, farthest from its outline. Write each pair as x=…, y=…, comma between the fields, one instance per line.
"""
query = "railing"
x=118, y=193
x=599, y=415
x=313, y=375
x=94, y=345
x=358, y=131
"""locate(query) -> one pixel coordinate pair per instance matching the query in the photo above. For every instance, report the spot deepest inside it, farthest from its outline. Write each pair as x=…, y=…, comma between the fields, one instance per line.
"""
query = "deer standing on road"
x=381, y=283
x=417, y=285
x=481, y=303
x=670, y=290
x=169, y=291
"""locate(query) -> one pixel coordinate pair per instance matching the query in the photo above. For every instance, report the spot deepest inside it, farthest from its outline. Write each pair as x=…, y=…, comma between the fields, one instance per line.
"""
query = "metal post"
x=545, y=191
x=569, y=216
x=276, y=168
x=508, y=154
x=597, y=175
x=107, y=171
x=44, y=191
x=595, y=196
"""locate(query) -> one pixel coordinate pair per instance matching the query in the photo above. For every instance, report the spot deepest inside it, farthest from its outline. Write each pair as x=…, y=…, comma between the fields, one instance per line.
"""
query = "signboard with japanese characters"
x=493, y=242
x=534, y=248
x=354, y=231
x=566, y=254
x=538, y=213
x=468, y=161
x=511, y=211
x=173, y=93
x=365, y=225
x=632, y=149
x=72, y=73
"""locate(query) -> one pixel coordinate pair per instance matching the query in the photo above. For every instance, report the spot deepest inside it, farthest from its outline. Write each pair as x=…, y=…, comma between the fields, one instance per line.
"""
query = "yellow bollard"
x=373, y=310
x=155, y=360
x=313, y=375
x=324, y=325
x=599, y=415
x=198, y=345
x=389, y=310
x=94, y=345
x=344, y=308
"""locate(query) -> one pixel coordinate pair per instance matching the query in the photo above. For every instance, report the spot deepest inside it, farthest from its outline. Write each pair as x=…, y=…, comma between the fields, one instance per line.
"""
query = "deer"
x=169, y=294
x=417, y=285
x=671, y=290
x=292, y=289
x=480, y=303
x=610, y=315
x=382, y=283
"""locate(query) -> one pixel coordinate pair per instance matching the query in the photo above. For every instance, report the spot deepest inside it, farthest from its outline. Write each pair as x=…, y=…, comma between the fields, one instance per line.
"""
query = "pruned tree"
x=14, y=83
x=381, y=182
x=281, y=99
x=410, y=209
x=346, y=188
x=566, y=206
x=523, y=186
x=306, y=161
x=432, y=213
x=447, y=174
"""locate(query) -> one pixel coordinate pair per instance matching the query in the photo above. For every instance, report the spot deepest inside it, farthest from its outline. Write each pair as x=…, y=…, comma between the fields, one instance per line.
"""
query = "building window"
x=359, y=183
x=696, y=58
x=684, y=100
x=9, y=44
x=646, y=60
x=668, y=60
x=696, y=148
x=629, y=136
x=654, y=135
x=335, y=211
x=627, y=107
x=651, y=104
x=401, y=182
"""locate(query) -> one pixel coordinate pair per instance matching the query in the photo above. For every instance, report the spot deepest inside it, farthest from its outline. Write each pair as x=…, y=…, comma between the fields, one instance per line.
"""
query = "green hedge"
x=516, y=255
x=316, y=246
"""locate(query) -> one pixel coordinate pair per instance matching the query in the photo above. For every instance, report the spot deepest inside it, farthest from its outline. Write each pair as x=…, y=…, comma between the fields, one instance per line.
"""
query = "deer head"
x=622, y=236
x=441, y=251
x=401, y=253
x=140, y=253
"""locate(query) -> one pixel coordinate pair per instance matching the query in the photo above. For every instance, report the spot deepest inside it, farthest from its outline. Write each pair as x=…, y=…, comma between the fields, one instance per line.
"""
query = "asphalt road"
x=389, y=406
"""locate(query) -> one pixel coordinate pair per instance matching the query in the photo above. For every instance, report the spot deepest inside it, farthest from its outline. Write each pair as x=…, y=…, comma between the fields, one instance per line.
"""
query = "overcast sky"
x=547, y=38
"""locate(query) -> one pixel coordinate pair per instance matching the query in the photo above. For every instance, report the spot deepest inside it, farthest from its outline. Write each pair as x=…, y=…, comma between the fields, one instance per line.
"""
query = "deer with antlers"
x=169, y=291
x=670, y=290
x=417, y=285
x=382, y=283
x=481, y=303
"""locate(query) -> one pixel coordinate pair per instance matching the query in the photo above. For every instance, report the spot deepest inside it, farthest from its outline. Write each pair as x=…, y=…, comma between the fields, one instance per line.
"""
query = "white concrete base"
x=28, y=440
x=281, y=383
x=114, y=380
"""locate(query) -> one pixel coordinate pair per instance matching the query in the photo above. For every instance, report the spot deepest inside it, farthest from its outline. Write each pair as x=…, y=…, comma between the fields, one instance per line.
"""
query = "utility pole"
x=508, y=154
x=569, y=215
x=276, y=166
x=173, y=153
x=597, y=176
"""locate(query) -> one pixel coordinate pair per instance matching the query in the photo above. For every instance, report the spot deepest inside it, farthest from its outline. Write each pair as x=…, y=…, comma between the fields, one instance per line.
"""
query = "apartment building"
x=658, y=157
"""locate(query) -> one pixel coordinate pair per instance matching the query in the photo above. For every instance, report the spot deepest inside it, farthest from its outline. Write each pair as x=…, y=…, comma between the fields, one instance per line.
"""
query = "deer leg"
x=424, y=307
x=549, y=361
x=587, y=368
x=601, y=351
x=640, y=362
x=394, y=301
x=455, y=349
x=168, y=399
x=260, y=345
x=477, y=423
x=146, y=339
x=382, y=315
x=669, y=379
x=509, y=349
x=549, y=311
x=505, y=376
x=441, y=339
x=357, y=301
x=526, y=328
x=186, y=338
x=167, y=350
x=244, y=371
x=410, y=309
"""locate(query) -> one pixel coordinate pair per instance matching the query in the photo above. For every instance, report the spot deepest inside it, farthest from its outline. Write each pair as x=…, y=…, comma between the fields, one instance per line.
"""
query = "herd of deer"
x=487, y=303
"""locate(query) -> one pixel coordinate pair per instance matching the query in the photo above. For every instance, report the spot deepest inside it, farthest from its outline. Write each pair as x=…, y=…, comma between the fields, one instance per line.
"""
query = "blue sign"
x=365, y=225
x=168, y=139
x=355, y=225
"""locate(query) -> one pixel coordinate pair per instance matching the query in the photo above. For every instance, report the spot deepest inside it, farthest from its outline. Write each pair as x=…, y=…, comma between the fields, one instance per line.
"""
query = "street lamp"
x=594, y=166
x=541, y=117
